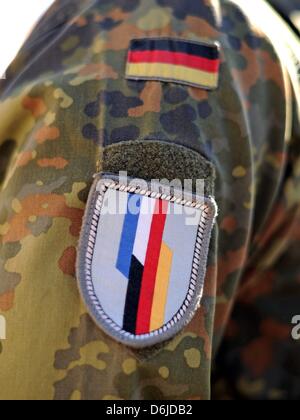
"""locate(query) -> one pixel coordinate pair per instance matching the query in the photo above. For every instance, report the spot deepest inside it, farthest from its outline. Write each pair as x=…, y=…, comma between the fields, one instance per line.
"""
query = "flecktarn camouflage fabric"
x=68, y=112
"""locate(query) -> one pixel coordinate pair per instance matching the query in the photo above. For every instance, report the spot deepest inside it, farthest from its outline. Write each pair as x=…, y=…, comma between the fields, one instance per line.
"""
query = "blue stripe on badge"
x=128, y=234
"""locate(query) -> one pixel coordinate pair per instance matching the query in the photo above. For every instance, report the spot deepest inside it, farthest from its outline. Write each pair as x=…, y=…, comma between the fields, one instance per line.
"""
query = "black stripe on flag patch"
x=210, y=51
x=133, y=295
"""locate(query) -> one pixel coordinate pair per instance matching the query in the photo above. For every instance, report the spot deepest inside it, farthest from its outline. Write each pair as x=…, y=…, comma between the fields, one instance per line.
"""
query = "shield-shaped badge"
x=142, y=259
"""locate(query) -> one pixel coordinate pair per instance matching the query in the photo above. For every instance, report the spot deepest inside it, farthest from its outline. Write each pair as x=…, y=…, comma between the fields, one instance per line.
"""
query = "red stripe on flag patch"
x=182, y=59
x=151, y=267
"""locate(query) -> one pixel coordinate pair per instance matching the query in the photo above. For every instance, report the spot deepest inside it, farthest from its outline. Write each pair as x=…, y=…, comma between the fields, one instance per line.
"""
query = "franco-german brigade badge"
x=142, y=259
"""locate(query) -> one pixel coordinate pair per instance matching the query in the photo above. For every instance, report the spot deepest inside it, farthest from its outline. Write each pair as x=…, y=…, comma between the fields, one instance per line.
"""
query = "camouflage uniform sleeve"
x=68, y=112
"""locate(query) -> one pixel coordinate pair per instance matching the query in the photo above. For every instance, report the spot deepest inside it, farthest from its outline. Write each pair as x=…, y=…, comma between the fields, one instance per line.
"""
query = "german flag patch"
x=173, y=60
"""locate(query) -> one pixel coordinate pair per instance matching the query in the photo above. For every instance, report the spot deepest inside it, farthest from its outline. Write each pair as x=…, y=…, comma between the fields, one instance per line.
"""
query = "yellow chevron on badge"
x=161, y=287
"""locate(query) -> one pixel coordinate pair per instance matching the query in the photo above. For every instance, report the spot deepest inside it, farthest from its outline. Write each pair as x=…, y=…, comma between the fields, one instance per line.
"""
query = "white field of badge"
x=142, y=259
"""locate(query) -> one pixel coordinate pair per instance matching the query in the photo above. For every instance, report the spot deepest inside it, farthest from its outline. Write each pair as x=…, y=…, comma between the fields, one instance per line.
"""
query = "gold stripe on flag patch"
x=171, y=73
